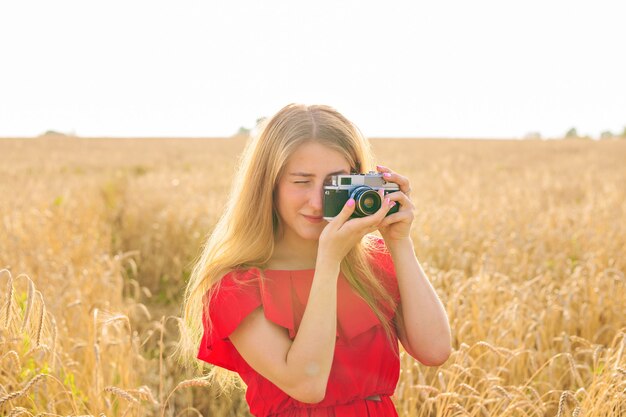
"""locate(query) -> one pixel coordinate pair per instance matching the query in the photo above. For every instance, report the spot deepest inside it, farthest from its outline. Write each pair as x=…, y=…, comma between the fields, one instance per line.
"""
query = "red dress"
x=365, y=364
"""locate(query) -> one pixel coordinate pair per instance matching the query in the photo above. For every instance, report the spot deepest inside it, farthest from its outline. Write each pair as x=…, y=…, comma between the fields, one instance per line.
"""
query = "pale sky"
x=482, y=68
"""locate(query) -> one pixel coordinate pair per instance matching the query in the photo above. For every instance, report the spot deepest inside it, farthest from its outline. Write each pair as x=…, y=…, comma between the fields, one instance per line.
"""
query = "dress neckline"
x=287, y=270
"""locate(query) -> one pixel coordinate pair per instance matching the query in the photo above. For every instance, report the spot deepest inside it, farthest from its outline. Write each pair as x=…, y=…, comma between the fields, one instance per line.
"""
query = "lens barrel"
x=367, y=200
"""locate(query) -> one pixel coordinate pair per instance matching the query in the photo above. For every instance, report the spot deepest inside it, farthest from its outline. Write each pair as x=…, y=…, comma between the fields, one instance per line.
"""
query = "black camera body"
x=363, y=188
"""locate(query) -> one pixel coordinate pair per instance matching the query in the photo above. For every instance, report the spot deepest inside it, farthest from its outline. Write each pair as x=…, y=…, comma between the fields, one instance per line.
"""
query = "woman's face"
x=300, y=190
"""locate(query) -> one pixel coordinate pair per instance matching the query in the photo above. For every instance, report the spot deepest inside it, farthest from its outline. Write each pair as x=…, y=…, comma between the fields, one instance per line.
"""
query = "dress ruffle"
x=284, y=298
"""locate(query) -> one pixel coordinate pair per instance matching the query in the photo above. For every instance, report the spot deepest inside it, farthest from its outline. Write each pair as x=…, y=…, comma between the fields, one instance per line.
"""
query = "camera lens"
x=367, y=201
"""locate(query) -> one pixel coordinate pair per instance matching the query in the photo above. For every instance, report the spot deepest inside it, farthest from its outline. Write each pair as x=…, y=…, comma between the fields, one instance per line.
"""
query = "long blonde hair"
x=231, y=246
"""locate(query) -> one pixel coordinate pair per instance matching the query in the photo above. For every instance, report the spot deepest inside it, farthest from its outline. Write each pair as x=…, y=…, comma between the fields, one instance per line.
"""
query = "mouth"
x=313, y=218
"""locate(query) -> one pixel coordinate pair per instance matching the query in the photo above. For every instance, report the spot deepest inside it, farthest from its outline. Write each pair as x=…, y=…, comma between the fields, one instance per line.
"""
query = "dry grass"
x=524, y=242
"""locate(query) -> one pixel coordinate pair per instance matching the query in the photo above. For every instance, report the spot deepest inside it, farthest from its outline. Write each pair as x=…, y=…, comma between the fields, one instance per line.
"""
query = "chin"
x=305, y=230
x=310, y=235
x=312, y=231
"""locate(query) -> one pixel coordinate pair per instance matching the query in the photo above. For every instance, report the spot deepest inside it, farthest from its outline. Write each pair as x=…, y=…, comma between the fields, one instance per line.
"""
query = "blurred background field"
x=524, y=241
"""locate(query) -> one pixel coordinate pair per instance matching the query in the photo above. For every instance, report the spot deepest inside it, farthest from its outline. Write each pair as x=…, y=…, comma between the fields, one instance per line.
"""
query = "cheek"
x=289, y=197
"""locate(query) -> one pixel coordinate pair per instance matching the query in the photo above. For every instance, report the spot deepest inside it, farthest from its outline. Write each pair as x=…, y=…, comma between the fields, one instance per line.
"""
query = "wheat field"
x=524, y=241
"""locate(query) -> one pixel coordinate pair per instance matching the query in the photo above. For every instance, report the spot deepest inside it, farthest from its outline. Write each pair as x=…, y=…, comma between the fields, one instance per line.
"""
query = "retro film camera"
x=363, y=188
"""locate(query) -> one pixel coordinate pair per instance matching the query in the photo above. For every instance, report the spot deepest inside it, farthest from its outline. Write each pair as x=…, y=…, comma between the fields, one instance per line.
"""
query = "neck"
x=295, y=249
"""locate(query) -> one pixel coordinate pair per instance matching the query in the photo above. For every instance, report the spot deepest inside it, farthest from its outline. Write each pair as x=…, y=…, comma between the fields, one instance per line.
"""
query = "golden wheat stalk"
x=97, y=373
x=23, y=391
x=620, y=351
x=426, y=388
x=54, y=342
x=14, y=356
x=489, y=347
x=188, y=409
x=41, y=317
x=458, y=408
x=122, y=393
x=29, y=303
x=9, y=300
x=467, y=387
x=573, y=370
x=19, y=411
x=143, y=393
x=502, y=391
x=195, y=382
x=564, y=396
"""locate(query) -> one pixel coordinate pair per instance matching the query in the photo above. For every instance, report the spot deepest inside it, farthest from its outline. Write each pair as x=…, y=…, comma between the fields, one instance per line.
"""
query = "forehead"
x=316, y=159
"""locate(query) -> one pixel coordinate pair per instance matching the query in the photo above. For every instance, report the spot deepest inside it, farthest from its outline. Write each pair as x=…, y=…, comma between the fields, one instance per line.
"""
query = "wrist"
x=393, y=244
x=327, y=262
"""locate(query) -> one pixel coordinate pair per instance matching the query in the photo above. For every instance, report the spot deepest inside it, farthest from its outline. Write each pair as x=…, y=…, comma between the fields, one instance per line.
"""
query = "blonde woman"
x=308, y=312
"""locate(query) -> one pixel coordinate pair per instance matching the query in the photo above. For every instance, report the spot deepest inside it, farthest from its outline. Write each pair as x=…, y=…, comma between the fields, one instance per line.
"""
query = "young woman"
x=309, y=312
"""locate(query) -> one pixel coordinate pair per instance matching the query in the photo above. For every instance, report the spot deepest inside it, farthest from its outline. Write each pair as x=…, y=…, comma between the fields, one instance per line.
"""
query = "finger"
x=387, y=204
x=371, y=222
x=390, y=176
x=401, y=198
x=395, y=218
x=345, y=212
x=403, y=182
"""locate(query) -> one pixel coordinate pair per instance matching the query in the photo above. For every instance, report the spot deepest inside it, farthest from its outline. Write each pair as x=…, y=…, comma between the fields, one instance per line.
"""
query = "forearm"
x=426, y=325
x=311, y=353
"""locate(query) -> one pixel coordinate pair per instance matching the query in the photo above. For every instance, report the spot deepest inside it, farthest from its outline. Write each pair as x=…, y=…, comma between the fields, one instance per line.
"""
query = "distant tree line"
x=56, y=133
x=243, y=130
x=573, y=134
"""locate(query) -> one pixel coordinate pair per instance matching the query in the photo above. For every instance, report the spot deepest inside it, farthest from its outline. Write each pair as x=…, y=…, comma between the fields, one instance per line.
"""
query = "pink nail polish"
x=350, y=202
x=386, y=175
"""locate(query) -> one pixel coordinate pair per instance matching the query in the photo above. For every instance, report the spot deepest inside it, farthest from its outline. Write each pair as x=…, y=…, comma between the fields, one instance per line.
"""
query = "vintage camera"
x=363, y=188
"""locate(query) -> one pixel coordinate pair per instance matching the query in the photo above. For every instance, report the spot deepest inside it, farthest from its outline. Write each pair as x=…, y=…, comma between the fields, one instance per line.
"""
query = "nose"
x=316, y=199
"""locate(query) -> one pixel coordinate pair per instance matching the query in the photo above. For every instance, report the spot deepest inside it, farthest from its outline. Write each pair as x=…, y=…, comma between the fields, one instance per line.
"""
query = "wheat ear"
x=9, y=302
x=29, y=303
x=196, y=382
x=41, y=317
x=122, y=393
x=18, y=394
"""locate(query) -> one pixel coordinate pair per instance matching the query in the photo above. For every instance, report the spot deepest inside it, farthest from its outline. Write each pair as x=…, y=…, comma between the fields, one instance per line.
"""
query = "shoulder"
x=232, y=298
x=236, y=282
x=238, y=277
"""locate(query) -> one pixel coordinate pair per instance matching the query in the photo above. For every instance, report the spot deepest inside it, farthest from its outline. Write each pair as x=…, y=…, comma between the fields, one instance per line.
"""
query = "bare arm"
x=426, y=333
x=300, y=367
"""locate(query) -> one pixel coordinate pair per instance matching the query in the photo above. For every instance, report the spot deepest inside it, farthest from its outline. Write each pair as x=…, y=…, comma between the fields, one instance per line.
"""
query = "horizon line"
x=236, y=137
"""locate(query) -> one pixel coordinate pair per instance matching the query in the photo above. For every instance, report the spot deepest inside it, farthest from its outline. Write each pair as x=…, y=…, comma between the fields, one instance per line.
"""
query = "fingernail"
x=386, y=175
x=393, y=203
x=387, y=201
x=350, y=202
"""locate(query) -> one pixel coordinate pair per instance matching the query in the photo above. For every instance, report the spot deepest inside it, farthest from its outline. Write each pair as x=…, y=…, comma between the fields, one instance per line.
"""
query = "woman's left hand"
x=397, y=226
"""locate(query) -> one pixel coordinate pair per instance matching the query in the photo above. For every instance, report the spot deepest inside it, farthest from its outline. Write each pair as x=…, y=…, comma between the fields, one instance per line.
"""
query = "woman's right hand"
x=342, y=233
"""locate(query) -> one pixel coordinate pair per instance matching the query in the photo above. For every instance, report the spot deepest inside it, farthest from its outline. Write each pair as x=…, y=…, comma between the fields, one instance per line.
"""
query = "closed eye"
x=327, y=182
